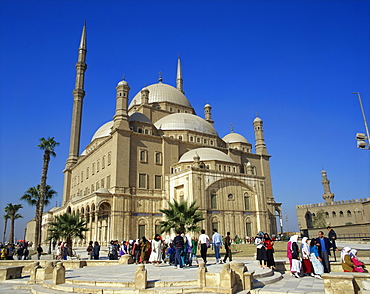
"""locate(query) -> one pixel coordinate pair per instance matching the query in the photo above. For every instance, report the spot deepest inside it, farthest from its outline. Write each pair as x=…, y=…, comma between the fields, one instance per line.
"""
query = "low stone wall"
x=343, y=283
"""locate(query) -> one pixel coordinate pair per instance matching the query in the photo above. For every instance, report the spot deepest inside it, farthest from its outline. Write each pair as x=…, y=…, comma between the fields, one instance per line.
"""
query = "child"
x=358, y=265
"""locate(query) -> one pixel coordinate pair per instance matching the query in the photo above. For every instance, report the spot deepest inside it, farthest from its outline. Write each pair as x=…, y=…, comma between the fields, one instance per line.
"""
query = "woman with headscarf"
x=347, y=264
x=261, y=250
x=289, y=254
x=306, y=263
x=145, y=246
x=315, y=259
x=296, y=260
x=358, y=265
x=136, y=251
x=156, y=254
x=269, y=251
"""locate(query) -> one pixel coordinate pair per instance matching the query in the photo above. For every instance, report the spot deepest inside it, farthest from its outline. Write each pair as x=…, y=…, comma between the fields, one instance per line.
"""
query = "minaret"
x=179, y=76
x=327, y=196
x=260, y=139
x=78, y=95
x=208, y=114
x=121, y=117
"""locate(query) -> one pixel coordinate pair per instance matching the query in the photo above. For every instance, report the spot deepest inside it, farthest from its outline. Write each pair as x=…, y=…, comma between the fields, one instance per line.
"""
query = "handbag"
x=208, y=243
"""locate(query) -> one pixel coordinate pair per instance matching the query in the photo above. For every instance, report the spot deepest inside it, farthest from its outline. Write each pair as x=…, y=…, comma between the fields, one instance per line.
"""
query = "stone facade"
x=349, y=218
x=156, y=150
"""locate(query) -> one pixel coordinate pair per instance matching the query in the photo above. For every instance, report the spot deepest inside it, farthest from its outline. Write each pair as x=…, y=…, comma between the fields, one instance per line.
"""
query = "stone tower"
x=121, y=117
x=78, y=96
x=260, y=138
x=208, y=114
x=327, y=196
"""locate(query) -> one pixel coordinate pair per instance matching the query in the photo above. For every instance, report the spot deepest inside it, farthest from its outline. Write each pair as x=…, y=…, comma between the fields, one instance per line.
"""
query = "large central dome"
x=162, y=93
x=185, y=121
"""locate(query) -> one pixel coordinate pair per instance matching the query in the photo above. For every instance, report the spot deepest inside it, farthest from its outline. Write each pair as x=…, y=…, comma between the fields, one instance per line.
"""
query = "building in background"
x=156, y=149
x=349, y=218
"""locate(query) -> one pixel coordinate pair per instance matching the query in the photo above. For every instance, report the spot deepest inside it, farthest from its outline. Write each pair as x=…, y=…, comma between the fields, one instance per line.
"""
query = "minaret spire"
x=179, y=81
x=327, y=196
x=78, y=95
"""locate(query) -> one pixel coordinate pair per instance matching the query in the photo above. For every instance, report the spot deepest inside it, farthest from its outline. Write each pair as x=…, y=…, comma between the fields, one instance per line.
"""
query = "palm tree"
x=32, y=195
x=181, y=217
x=11, y=210
x=48, y=146
x=67, y=227
x=5, y=217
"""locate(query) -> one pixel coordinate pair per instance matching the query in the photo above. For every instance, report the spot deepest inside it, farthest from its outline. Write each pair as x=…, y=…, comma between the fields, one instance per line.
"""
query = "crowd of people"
x=20, y=251
x=180, y=251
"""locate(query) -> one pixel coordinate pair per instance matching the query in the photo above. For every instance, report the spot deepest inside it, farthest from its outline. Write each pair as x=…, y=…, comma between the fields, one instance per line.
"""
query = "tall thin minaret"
x=179, y=76
x=260, y=138
x=78, y=95
x=327, y=196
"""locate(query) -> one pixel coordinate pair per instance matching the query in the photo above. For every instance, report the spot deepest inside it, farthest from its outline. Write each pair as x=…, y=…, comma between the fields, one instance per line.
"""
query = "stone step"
x=267, y=279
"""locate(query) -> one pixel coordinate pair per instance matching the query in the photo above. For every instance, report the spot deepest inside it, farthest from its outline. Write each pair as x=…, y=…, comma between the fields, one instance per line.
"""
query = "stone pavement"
x=167, y=273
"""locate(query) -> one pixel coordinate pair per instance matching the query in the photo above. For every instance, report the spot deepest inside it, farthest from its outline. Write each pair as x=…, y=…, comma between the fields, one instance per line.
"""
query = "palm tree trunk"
x=5, y=224
x=11, y=235
x=69, y=245
x=40, y=208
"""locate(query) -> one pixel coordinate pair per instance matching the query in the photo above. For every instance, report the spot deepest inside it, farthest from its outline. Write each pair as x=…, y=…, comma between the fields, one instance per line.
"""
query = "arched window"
x=327, y=214
x=349, y=214
x=246, y=202
x=334, y=214
x=341, y=214
x=213, y=201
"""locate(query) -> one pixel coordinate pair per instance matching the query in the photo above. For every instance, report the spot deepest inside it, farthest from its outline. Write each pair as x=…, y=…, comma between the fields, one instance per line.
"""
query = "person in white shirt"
x=204, y=244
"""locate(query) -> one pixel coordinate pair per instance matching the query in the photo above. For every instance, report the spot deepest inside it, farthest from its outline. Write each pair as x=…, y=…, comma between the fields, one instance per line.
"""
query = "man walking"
x=178, y=241
x=324, y=245
x=217, y=244
x=332, y=237
x=228, y=247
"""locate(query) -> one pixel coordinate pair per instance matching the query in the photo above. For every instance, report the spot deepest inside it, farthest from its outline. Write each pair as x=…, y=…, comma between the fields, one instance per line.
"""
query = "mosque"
x=156, y=149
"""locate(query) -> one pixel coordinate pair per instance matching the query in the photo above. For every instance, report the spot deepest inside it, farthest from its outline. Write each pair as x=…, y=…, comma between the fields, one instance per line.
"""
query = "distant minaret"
x=208, y=114
x=328, y=196
x=179, y=76
x=260, y=139
x=78, y=95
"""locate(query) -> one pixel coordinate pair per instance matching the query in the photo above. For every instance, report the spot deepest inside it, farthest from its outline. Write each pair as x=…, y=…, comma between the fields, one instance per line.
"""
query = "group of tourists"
x=20, y=251
x=180, y=251
x=265, y=250
x=312, y=256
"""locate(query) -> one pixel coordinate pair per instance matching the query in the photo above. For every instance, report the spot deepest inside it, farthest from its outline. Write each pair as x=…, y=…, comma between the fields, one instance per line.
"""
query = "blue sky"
x=295, y=63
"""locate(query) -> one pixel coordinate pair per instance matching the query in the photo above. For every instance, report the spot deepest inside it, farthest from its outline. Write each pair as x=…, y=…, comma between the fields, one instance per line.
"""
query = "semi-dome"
x=138, y=116
x=103, y=131
x=205, y=154
x=185, y=121
x=162, y=93
x=234, y=138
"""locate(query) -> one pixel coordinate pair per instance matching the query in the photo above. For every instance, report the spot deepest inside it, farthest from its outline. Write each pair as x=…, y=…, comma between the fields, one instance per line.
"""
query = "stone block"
x=338, y=283
x=33, y=272
x=141, y=277
x=201, y=274
x=227, y=277
x=238, y=268
x=248, y=280
x=10, y=272
x=126, y=259
x=59, y=274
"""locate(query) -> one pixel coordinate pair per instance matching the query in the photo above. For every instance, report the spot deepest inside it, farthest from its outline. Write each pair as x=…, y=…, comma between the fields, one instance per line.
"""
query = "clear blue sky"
x=296, y=63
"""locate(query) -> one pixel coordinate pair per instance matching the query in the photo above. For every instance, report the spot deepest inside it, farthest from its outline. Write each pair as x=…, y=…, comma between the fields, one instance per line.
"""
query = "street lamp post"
x=361, y=138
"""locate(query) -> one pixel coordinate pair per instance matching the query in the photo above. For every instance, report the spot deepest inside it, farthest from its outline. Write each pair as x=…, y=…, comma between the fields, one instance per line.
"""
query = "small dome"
x=205, y=154
x=138, y=116
x=103, y=131
x=207, y=105
x=185, y=121
x=257, y=119
x=162, y=93
x=123, y=82
x=234, y=138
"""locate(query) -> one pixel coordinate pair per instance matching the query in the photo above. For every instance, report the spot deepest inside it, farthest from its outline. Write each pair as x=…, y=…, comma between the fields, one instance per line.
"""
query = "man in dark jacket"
x=324, y=245
x=332, y=237
x=179, y=248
